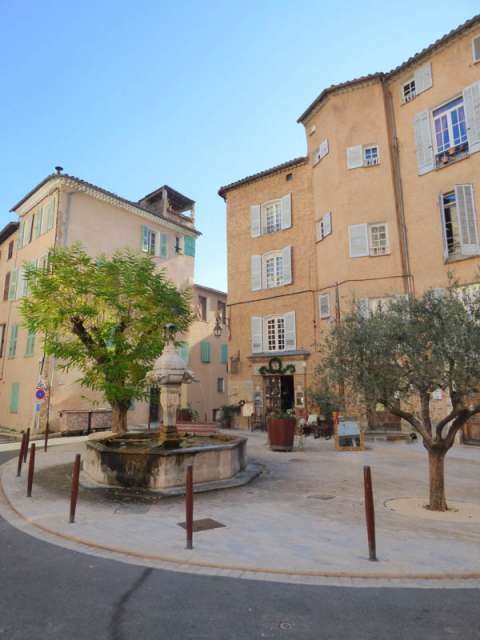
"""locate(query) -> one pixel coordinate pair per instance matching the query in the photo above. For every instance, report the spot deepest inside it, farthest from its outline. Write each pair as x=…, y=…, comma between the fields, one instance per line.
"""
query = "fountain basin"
x=139, y=460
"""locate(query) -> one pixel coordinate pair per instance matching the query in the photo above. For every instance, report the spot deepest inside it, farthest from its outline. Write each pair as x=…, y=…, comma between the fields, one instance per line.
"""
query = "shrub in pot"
x=281, y=431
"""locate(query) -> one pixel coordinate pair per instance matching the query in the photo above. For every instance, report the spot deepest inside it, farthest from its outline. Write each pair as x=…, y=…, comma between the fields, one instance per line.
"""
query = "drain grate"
x=204, y=524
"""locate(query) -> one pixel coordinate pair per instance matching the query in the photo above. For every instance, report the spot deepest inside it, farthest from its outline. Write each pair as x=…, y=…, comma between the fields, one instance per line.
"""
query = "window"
x=12, y=289
x=274, y=271
x=450, y=131
x=418, y=83
x=273, y=217
x=38, y=222
x=12, y=345
x=31, y=228
x=220, y=385
x=459, y=222
x=148, y=241
x=2, y=338
x=189, y=246
x=378, y=237
x=276, y=334
x=202, y=307
x=324, y=226
x=324, y=305
x=204, y=351
x=223, y=354
x=370, y=156
x=163, y=245
x=30, y=346
x=14, y=397
x=6, y=286
x=408, y=91
x=366, y=306
x=10, y=250
x=368, y=240
x=222, y=311
x=320, y=152
x=178, y=244
x=50, y=214
x=476, y=49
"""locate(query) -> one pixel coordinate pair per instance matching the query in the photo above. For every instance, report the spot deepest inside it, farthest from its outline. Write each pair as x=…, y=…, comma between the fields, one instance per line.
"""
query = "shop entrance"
x=279, y=393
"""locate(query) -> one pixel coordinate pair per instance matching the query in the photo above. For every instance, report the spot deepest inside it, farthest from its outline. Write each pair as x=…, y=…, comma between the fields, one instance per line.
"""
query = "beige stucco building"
x=62, y=210
x=385, y=202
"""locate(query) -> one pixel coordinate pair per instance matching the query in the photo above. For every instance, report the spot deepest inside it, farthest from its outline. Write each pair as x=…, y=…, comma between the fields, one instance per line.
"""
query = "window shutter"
x=50, y=211
x=189, y=246
x=319, y=229
x=423, y=143
x=467, y=219
x=184, y=351
x=145, y=239
x=163, y=245
x=14, y=397
x=355, y=157
x=290, y=333
x=358, y=240
x=476, y=49
x=256, y=273
x=27, y=236
x=324, y=305
x=286, y=204
x=423, y=78
x=38, y=222
x=224, y=354
x=327, y=224
x=6, y=286
x=444, y=229
x=12, y=290
x=30, y=348
x=323, y=149
x=21, y=230
x=204, y=351
x=256, y=328
x=12, y=345
x=287, y=265
x=471, y=101
x=255, y=222
x=362, y=307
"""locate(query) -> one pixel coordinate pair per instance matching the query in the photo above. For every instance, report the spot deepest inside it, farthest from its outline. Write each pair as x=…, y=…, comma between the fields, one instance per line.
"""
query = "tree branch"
x=86, y=339
x=409, y=417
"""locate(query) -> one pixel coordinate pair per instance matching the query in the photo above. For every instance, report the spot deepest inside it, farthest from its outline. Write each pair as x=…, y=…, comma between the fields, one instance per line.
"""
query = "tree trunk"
x=119, y=419
x=436, y=458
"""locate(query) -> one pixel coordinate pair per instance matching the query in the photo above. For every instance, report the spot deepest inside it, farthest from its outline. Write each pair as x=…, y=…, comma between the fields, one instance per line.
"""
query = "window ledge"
x=278, y=354
x=460, y=258
x=453, y=160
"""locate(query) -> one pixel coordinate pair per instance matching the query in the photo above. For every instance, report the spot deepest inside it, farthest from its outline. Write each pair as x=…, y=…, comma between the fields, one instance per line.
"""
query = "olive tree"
x=400, y=354
x=104, y=317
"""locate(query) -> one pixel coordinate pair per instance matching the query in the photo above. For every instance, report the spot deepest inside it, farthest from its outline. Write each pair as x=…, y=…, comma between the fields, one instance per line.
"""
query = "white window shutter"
x=319, y=229
x=423, y=78
x=327, y=224
x=467, y=218
x=423, y=143
x=256, y=327
x=324, y=305
x=256, y=272
x=476, y=49
x=286, y=203
x=255, y=222
x=290, y=333
x=287, y=265
x=471, y=101
x=444, y=229
x=358, y=240
x=355, y=157
x=363, y=307
x=316, y=156
x=323, y=149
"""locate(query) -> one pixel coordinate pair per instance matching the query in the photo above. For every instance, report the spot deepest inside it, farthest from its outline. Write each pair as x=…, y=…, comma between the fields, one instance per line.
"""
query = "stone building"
x=385, y=202
x=59, y=211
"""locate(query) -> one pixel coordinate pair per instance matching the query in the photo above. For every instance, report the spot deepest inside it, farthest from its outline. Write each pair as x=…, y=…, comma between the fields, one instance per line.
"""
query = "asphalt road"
x=47, y=592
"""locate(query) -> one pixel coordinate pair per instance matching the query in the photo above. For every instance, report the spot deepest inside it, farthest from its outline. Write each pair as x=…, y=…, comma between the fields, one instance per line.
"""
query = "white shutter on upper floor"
x=290, y=332
x=355, y=157
x=467, y=219
x=287, y=265
x=327, y=224
x=255, y=221
x=324, y=305
x=444, y=228
x=358, y=240
x=471, y=101
x=323, y=149
x=286, y=204
x=362, y=306
x=423, y=143
x=256, y=328
x=423, y=78
x=256, y=272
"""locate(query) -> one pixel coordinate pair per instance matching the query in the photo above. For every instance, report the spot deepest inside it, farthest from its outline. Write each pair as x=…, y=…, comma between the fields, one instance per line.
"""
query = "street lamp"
x=217, y=329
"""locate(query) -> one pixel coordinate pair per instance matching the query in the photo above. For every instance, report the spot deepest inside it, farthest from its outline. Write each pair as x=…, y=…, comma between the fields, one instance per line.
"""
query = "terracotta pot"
x=281, y=433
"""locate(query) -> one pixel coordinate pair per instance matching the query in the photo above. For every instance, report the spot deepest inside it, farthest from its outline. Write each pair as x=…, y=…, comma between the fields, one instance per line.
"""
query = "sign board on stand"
x=348, y=435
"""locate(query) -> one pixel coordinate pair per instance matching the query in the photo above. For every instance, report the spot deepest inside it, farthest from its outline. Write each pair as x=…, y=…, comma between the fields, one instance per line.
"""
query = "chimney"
x=59, y=170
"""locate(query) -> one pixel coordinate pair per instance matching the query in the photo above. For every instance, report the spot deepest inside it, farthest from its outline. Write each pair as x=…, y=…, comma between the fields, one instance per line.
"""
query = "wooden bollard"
x=31, y=469
x=369, y=512
x=189, y=506
x=20, y=454
x=27, y=443
x=45, y=443
x=74, y=488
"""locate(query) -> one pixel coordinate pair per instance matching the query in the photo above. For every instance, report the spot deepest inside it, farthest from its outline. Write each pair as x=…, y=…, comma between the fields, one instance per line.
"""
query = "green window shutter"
x=12, y=345
x=224, y=354
x=50, y=215
x=38, y=222
x=184, y=350
x=204, y=351
x=21, y=231
x=30, y=348
x=163, y=245
x=189, y=246
x=14, y=397
x=145, y=239
x=12, y=289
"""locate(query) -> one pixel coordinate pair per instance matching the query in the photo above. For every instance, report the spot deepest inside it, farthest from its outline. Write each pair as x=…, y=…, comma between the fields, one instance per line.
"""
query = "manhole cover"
x=203, y=525
x=285, y=626
x=320, y=497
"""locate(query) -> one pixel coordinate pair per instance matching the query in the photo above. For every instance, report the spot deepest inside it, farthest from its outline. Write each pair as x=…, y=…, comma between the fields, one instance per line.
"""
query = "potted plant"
x=226, y=413
x=281, y=430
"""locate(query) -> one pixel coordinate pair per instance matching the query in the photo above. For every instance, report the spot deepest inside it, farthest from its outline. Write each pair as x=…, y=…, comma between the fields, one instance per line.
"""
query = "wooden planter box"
x=281, y=433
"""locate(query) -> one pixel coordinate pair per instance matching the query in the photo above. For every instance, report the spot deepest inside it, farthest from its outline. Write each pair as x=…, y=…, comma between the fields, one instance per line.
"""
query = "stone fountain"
x=157, y=461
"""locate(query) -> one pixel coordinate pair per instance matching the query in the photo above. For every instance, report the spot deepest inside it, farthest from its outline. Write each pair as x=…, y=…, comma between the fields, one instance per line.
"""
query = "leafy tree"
x=104, y=317
x=400, y=355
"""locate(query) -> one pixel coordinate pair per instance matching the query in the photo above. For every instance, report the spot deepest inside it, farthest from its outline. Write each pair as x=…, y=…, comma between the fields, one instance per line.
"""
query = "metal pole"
x=369, y=512
x=27, y=442
x=20, y=454
x=45, y=445
x=74, y=488
x=189, y=507
x=31, y=468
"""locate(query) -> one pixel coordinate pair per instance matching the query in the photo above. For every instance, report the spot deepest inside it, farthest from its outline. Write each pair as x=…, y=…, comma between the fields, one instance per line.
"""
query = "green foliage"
x=322, y=394
x=104, y=316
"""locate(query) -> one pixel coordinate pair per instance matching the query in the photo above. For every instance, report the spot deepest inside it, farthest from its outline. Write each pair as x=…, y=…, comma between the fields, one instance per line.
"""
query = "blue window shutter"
x=163, y=245
x=224, y=354
x=14, y=397
x=189, y=246
x=204, y=351
x=184, y=349
x=30, y=348
x=12, y=345
x=145, y=239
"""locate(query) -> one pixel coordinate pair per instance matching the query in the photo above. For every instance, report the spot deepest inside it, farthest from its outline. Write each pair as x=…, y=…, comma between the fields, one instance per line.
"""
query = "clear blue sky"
x=194, y=94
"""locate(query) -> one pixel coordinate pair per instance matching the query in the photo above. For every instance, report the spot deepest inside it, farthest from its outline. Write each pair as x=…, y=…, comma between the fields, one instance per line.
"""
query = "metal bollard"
x=369, y=512
x=31, y=468
x=20, y=454
x=189, y=507
x=27, y=443
x=74, y=488
x=45, y=444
